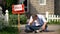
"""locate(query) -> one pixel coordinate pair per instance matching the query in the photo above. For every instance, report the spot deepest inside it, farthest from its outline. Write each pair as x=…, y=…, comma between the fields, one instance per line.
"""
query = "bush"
x=13, y=19
x=54, y=22
x=23, y=19
x=2, y=23
x=6, y=29
x=9, y=30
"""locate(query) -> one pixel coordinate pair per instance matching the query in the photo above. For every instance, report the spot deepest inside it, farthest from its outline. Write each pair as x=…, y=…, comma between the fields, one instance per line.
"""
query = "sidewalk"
x=54, y=28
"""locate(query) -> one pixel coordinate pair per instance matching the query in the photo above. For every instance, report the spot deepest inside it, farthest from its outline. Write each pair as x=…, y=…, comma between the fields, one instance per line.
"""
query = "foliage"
x=2, y=23
x=6, y=29
x=9, y=30
x=23, y=19
x=13, y=19
x=9, y=4
x=54, y=22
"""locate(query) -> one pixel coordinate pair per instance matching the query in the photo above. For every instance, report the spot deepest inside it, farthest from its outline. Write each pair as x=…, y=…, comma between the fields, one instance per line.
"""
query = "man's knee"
x=27, y=27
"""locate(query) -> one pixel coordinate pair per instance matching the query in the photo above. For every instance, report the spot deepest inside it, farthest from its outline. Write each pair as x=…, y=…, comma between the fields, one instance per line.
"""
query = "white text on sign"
x=17, y=7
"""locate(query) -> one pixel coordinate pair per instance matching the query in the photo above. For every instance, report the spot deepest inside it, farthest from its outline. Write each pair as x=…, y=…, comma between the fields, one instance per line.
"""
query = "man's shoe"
x=37, y=31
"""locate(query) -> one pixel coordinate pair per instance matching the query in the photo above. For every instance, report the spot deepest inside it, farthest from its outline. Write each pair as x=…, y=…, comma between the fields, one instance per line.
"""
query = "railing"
x=48, y=16
x=6, y=16
x=52, y=17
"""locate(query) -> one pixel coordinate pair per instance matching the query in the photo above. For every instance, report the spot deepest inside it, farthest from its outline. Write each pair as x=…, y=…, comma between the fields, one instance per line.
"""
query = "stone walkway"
x=54, y=28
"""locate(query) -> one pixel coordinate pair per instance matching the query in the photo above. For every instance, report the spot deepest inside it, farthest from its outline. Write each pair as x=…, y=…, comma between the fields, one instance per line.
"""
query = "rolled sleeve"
x=43, y=18
x=30, y=20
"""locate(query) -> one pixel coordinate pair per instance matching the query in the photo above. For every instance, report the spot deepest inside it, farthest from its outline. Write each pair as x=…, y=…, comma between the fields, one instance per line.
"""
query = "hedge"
x=54, y=22
x=13, y=19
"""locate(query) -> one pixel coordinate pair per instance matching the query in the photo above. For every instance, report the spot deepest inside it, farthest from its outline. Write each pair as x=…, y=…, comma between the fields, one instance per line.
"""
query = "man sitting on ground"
x=37, y=22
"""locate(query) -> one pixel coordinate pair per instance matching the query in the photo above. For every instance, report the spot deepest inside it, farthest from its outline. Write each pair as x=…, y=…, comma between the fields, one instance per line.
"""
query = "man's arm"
x=45, y=23
x=31, y=21
x=43, y=27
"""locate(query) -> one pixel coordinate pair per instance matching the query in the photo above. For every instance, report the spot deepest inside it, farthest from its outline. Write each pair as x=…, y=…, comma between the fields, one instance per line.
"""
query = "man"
x=36, y=23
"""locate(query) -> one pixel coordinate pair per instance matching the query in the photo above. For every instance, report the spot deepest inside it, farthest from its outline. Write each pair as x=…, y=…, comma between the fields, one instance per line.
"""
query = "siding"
x=35, y=7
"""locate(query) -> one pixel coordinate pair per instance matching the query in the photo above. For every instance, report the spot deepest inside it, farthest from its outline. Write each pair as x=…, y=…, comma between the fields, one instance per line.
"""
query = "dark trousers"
x=33, y=28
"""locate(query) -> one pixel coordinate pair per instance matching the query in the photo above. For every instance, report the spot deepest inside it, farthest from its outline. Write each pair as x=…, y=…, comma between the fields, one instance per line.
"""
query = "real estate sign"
x=18, y=9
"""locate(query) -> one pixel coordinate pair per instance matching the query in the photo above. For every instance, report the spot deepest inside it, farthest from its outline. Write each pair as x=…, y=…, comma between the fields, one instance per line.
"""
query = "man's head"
x=34, y=16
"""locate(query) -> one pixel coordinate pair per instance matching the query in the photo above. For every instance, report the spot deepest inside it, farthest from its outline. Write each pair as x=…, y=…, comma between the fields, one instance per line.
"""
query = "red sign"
x=18, y=9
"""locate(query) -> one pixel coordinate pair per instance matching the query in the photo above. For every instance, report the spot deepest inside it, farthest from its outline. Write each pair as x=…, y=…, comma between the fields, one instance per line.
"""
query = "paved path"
x=54, y=28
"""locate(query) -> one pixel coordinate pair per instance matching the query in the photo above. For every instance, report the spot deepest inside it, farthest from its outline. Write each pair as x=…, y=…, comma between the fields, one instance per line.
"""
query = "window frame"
x=42, y=3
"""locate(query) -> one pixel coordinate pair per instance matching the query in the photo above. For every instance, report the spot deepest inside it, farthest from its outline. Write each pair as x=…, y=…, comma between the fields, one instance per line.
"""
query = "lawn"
x=9, y=30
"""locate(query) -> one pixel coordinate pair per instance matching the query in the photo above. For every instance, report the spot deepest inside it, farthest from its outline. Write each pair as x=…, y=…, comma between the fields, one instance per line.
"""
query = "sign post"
x=18, y=22
x=18, y=9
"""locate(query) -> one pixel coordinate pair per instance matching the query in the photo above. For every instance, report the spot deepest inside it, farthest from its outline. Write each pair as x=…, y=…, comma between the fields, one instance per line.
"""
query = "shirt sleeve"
x=43, y=18
x=30, y=20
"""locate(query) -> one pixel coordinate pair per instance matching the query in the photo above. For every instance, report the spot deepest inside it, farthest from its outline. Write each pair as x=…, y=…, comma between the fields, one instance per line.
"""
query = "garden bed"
x=9, y=30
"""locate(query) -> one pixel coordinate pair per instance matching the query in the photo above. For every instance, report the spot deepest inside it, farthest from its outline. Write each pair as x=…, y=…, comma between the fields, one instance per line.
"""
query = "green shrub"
x=54, y=22
x=23, y=19
x=6, y=29
x=9, y=5
x=2, y=23
x=9, y=30
x=13, y=19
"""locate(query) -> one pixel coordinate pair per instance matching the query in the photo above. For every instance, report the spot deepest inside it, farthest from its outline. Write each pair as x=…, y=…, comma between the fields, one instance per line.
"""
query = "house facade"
x=42, y=6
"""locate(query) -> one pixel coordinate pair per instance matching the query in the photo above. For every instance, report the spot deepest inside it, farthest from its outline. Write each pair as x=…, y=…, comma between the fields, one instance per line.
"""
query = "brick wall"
x=35, y=7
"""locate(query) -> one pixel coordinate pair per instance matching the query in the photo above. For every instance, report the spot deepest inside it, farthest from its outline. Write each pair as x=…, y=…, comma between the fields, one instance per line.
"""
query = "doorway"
x=57, y=7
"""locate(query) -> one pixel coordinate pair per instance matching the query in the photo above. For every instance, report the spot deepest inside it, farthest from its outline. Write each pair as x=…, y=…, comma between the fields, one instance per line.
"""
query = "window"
x=25, y=4
x=42, y=2
x=21, y=1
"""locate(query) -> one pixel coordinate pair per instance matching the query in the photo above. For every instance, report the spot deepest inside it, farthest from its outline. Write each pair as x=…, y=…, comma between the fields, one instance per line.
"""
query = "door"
x=57, y=7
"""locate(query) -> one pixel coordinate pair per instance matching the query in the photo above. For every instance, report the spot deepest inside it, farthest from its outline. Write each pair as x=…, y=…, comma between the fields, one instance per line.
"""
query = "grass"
x=54, y=22
x=9, y=30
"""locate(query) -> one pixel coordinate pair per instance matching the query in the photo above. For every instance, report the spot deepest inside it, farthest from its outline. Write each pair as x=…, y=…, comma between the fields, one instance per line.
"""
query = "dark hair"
x=34, y=15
